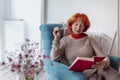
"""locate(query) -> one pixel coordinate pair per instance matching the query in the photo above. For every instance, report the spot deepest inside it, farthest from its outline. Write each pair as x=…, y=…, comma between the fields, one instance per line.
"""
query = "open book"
x=81, y=63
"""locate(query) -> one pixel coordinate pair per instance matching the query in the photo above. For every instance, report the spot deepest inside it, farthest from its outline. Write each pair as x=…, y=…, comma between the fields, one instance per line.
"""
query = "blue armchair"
x=55, y=70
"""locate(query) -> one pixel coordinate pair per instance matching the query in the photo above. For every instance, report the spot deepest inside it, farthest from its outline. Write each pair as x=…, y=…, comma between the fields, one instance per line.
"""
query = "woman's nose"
x=78, y=27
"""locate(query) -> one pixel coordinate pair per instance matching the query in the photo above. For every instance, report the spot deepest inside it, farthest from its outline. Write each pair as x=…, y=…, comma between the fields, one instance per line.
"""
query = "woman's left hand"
x=99, y=65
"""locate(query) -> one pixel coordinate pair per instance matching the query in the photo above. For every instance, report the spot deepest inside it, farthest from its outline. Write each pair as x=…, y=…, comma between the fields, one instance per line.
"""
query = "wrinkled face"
x=78, y=27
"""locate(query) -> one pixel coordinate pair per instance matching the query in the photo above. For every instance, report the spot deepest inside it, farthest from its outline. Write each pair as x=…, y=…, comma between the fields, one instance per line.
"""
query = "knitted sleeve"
x=98, y=52
x=57, y=50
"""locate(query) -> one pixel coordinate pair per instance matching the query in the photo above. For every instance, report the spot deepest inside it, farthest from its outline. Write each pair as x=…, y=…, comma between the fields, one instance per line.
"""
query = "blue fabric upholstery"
x=47, y=36
x=55, y=70
x=58, y=71
x=114, y=62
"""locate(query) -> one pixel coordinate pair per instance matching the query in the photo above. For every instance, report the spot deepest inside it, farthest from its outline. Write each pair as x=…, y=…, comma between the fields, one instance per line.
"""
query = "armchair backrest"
x=47, y=36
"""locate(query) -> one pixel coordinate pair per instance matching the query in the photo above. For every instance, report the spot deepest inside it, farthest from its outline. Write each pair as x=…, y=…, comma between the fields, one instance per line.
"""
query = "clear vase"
x=29, y=78
x=26, y=77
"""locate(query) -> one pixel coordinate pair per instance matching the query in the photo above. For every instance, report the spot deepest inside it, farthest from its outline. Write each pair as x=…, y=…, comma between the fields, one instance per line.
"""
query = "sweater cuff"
x=107, y=61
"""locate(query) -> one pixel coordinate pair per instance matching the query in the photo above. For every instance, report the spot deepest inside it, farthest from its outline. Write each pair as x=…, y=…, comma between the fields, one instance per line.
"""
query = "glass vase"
x=29, y=78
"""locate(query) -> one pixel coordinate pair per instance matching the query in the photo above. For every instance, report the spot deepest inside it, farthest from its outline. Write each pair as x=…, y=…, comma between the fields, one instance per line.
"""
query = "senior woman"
x=79, y=44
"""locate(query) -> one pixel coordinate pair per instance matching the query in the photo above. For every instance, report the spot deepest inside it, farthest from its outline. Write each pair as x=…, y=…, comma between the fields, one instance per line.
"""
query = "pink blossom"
x=3, y=63
x=27, y=59
x=10, y=59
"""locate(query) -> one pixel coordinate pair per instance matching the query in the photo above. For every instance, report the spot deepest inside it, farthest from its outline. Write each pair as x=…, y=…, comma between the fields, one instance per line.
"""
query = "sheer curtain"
x=22, y=19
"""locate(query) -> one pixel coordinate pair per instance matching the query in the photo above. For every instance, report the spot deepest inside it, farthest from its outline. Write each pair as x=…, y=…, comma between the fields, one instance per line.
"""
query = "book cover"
x=80, y=64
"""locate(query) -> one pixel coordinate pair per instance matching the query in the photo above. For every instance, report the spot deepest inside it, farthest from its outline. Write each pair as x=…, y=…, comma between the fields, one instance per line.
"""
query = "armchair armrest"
x=114, y=62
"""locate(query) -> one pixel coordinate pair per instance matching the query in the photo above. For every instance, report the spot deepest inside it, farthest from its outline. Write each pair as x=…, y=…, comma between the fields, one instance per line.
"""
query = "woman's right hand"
x=56, y=33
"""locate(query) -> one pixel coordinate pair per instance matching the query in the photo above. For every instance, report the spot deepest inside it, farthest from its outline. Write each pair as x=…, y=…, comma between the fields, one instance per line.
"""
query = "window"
x=22, y=22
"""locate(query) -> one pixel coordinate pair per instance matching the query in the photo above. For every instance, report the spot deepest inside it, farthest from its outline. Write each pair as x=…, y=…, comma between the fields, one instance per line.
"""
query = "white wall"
x=102, y=13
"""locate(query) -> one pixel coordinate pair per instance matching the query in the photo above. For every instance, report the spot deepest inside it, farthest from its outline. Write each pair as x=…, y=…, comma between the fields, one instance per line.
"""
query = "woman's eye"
x=76, y=24
x=82, y=25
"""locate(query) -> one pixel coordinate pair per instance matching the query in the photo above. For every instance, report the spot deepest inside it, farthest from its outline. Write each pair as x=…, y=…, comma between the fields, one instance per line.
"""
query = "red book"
x=80, y=64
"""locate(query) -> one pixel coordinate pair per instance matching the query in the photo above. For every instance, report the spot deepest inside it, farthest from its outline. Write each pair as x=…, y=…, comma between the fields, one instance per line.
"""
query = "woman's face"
x=78, y=27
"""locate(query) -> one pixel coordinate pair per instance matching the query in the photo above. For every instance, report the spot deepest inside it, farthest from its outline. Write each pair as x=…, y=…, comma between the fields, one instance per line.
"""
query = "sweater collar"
x=78, y=36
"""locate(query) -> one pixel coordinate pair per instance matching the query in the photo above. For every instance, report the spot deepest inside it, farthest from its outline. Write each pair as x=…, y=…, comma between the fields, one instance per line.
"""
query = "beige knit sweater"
x=68, y=49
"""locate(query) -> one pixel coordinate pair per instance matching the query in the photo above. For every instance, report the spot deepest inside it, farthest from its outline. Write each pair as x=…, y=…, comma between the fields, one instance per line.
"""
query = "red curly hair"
x=79, y=17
